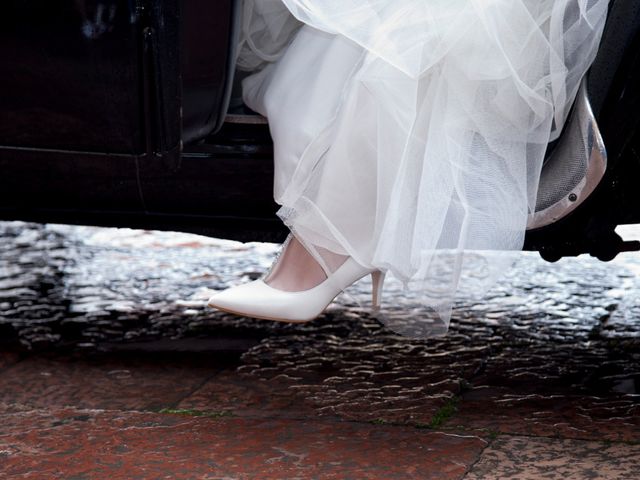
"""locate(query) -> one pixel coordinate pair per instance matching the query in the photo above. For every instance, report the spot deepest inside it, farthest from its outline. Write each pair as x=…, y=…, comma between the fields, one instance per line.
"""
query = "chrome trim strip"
x=596, y=168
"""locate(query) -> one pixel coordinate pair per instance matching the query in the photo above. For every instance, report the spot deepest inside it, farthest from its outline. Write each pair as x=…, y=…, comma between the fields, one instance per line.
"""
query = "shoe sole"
x=274, y=319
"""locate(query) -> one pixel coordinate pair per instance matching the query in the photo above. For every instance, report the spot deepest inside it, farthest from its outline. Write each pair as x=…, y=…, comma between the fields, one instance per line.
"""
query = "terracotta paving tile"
x=394, y=400
x=7, y=359
x=527, y=458
x=73, y=443
x=112, y=383
x=248, y=397
x=614, y=418
x=7, y=408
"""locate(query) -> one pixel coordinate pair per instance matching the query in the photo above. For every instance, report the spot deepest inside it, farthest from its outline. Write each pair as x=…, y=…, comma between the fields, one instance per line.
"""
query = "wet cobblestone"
x=110, y=319
x=72, y=286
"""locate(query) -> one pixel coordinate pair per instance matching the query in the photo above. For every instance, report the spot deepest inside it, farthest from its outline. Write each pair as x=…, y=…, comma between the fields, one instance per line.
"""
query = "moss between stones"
x=380, y=421
x=197, y=413
x=444, y=413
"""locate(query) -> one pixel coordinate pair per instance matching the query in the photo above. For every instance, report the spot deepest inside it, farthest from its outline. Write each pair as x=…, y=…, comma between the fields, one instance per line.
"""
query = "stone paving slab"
x=128, y=383
x=247, y=397
x=611, y=418
x=526, y=458
x=86, y=444
x=7, y=359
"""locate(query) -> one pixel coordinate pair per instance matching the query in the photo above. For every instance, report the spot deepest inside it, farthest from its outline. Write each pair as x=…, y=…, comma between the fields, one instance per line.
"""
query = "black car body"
x=138, y=123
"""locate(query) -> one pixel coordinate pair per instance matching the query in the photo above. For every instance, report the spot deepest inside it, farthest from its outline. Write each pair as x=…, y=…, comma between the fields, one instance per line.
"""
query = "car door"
x=98, y=98
x=71, y=124
x=217, y=177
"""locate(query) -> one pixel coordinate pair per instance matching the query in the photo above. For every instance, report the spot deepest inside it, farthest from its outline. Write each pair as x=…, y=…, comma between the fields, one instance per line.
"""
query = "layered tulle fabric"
x=267, y=27
x=410, y=134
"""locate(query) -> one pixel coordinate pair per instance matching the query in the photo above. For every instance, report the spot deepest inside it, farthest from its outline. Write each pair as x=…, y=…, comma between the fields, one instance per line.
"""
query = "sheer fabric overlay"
x=410, y=134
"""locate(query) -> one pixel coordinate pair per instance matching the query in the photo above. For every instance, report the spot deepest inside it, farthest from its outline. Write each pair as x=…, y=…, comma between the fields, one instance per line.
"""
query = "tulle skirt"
x=410, y=134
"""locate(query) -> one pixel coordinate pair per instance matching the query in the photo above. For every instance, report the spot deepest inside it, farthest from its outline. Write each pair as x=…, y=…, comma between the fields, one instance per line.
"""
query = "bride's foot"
x=296, y=289
x=296, y=269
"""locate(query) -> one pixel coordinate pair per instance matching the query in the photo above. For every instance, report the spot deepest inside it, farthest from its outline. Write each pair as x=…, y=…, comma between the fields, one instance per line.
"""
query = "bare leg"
x=297, y=270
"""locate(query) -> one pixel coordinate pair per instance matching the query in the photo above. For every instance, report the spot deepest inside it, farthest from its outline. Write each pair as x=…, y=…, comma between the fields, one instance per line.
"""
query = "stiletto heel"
x=377, y=280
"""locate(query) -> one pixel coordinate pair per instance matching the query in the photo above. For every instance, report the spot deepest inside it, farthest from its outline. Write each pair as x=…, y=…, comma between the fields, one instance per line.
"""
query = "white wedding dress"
x=410, y=134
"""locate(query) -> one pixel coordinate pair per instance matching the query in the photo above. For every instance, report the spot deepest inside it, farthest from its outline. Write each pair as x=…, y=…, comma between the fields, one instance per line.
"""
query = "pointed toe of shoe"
x=247, y=299
x=257, y=300
x=226, y=300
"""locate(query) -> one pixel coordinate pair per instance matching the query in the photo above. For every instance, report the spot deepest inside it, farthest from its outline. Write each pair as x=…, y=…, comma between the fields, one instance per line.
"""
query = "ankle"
x=295, y=269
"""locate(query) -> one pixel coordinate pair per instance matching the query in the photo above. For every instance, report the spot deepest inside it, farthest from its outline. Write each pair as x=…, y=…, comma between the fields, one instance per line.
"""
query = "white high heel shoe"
x=258, y=300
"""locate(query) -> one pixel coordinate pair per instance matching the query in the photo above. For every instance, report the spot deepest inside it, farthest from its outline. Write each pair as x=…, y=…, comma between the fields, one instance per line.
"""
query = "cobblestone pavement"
x=113, y=366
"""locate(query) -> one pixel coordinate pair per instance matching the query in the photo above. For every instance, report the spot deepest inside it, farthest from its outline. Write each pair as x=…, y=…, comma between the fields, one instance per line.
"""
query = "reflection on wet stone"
x=32, y=299
x=562, y=340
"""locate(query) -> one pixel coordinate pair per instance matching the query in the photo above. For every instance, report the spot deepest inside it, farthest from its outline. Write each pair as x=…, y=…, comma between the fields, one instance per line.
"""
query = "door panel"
x=70, y=75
